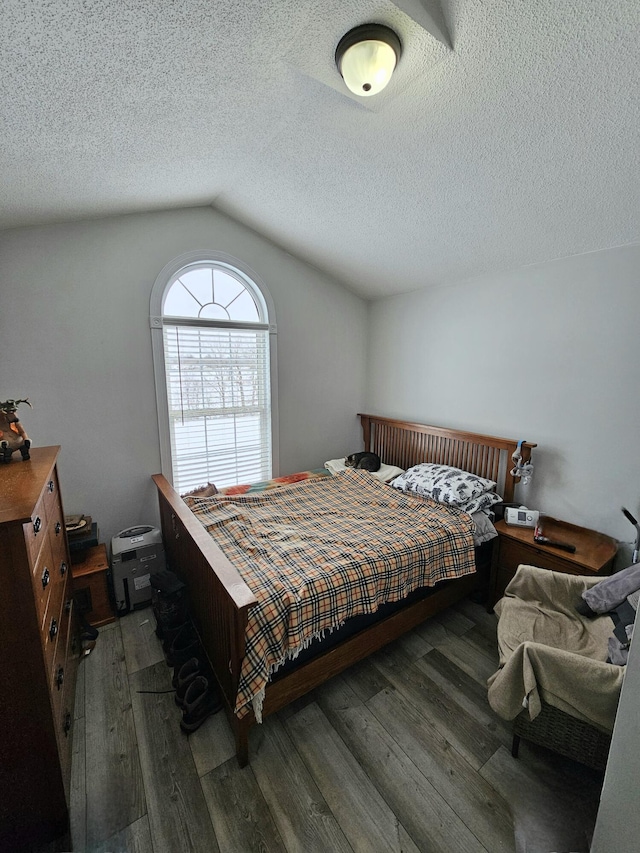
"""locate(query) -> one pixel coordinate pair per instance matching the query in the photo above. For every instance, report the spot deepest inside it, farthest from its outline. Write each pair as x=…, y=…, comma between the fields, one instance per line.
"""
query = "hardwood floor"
x=400, y=753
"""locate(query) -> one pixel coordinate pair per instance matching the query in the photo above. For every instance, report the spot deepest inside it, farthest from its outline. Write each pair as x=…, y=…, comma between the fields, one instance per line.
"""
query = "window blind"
x=218, y=394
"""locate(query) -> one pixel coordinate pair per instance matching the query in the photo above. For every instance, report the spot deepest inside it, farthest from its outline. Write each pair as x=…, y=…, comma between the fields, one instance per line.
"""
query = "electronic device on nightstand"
x=521, y=516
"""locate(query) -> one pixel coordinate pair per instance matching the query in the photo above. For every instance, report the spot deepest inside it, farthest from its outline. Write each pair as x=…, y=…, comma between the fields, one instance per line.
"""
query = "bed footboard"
x=220, y=599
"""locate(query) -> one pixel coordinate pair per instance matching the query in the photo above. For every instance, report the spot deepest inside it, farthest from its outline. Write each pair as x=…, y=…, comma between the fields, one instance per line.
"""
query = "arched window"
x=213, y=333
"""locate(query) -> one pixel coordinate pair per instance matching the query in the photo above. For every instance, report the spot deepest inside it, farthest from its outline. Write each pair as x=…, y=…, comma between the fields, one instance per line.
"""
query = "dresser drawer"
x=64, y=696
x=64, y=735
x=35, y=531
x=51, y=495
x=59, y=555
x=43, y=579
x=55, y=527
x=60, y=671
x=52, y=624
x=512, y=554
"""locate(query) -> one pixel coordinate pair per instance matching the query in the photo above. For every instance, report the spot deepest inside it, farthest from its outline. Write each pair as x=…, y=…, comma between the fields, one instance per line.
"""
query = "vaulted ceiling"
x=509, y=134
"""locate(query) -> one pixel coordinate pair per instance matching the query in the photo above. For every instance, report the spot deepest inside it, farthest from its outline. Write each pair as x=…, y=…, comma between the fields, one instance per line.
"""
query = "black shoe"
x=166, y=582
x=185, y=645
x=185, y=674
x=170, y=613
x=87, y=632
x=200, y=702
x=169, y=634
x=168, y=601
x=183, y=677
x=193, y=664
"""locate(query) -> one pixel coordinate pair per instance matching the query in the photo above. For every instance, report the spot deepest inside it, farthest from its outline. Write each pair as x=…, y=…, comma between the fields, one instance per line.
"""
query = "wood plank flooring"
x=400, y=753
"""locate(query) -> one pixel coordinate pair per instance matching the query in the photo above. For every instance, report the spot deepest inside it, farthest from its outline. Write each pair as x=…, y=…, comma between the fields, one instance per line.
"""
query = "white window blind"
x=219, y=414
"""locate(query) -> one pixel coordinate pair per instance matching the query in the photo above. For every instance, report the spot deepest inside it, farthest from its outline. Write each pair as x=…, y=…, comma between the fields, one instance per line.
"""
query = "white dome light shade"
x=366, y=58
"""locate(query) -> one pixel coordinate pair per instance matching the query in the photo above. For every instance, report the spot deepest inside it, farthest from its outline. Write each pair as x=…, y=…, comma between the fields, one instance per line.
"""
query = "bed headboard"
x=405, y=444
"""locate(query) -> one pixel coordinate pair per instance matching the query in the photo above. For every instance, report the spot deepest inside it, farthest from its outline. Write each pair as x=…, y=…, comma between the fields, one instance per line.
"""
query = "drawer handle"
x=63, y=569
x=57, y=528
x=67, y=606
x=50, y=485
x=59, y=677
x=37, y=524
x=74, y=644
x=45, y=578
x=66, y=726
x=53, y=630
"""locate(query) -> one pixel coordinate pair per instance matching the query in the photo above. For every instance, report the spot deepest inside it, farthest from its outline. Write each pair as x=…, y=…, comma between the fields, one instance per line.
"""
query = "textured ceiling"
x=518, y=145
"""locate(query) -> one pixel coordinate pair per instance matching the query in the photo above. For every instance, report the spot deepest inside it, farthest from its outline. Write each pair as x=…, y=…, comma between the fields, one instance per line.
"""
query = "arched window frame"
x=258, y=288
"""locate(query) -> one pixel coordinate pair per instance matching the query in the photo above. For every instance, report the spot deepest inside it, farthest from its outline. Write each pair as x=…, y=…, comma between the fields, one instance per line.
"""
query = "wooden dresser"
x=39, y=653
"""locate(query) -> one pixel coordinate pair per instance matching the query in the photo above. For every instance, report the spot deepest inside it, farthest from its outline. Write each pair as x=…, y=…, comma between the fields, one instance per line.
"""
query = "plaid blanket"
x=322, y=550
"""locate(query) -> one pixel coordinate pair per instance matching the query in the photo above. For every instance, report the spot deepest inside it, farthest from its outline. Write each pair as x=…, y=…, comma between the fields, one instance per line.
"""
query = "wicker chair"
x=563, y=734
x=537, y=613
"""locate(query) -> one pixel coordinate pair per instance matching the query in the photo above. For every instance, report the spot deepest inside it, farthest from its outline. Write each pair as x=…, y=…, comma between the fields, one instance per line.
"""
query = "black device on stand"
x=541, y=539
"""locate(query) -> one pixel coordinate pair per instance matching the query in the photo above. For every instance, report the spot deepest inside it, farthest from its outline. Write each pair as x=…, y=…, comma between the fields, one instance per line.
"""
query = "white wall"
x=74, y=327
x=548, y=353
x=618, y=824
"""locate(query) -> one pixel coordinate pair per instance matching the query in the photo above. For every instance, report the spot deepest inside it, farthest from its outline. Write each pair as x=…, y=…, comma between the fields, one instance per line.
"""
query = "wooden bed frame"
x=221, y=600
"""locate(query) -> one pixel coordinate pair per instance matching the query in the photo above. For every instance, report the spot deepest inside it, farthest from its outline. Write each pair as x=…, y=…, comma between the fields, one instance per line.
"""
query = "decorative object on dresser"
x=12, y=434
x=39, y=653
x=222, y=600
x=594, y=552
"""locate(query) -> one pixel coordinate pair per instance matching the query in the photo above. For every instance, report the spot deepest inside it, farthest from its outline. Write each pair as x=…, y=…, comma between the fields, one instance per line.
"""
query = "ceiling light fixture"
x=366, y=58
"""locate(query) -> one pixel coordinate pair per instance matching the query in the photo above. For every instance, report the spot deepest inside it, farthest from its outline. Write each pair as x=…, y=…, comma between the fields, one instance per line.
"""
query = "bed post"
x=241, y=730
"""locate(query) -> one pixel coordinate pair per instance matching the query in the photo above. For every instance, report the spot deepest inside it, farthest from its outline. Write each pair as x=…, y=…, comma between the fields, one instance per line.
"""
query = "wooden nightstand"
x=594, y=552
x=91, y=588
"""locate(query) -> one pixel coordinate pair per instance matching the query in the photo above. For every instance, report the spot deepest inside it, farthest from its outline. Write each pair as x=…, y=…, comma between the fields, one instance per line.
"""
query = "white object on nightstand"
x=521, y=516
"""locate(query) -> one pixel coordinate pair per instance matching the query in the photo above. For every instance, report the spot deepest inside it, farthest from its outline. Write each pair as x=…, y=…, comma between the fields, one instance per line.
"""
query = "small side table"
x=91, y=589
x=594, y=552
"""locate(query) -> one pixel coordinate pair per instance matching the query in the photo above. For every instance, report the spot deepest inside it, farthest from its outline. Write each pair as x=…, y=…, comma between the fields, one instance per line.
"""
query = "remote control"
x=565, y=546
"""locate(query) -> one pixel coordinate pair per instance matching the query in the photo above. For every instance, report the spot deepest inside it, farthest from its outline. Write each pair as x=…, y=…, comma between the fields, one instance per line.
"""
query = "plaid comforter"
x=322, y=550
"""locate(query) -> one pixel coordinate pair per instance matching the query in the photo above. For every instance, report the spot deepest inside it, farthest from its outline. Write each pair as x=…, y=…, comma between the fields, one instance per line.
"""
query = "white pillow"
x=448, y=485
x=385, y=473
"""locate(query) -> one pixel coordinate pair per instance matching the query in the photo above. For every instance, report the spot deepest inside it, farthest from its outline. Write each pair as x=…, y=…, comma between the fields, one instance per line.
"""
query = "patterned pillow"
x=482, y=503
x=449, y=486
